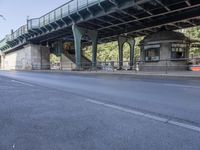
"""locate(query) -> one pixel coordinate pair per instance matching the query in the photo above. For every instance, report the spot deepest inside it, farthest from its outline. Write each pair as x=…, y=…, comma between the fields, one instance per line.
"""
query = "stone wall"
x=28, y=58
x=40, y=57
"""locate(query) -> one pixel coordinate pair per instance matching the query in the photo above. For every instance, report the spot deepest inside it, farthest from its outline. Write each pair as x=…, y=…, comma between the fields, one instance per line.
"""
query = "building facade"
x=165, y=49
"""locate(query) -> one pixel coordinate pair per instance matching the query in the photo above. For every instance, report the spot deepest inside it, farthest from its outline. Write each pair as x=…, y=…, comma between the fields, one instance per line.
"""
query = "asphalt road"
x=61, y=111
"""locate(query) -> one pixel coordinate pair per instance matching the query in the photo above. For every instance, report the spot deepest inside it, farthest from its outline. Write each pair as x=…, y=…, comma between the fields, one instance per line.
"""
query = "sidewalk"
x=175, y=74
x=124, y=73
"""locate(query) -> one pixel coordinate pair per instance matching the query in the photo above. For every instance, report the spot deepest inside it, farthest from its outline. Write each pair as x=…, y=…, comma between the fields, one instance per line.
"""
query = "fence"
x=164, y=66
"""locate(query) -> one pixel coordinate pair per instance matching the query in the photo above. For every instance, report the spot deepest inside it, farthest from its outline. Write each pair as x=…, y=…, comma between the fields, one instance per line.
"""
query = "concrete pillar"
x=39, y=56
x=78, y=33
x=2, y=55
x=45, y=57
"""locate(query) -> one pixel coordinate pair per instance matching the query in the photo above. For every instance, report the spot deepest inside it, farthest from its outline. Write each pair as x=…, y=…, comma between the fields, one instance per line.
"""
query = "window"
x=178, y=51
x=152, y=54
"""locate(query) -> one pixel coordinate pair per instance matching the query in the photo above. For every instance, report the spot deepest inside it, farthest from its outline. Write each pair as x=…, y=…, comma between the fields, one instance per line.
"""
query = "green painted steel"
x=13, y=39
x=21, y=35
x=121, y=41
x=108, y=19
x=69, y=8
x=93, y=35
x=78, y=33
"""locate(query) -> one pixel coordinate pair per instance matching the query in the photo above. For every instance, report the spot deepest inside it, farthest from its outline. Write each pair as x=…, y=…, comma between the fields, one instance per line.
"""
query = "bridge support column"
x=94, y=37
x=2, y=56
x=132, y=52
x=121, y=41
x=78, y=33
x=131, y=42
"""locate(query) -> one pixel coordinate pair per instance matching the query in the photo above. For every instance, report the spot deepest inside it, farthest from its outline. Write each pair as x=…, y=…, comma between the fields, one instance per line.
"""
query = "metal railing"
x=70, y=7
x=162, y=66
x=19, y=32
x=65, y=10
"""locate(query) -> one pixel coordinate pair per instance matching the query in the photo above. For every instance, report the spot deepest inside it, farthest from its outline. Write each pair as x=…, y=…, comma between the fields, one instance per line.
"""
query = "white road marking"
x=191, y=127
x=146, y=115
x=23, y=83
x=183, y=86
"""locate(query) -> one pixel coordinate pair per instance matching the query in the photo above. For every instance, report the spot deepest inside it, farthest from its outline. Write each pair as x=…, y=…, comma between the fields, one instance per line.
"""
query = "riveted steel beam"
x=156, y=15
x=78, y=33
x=166, y=7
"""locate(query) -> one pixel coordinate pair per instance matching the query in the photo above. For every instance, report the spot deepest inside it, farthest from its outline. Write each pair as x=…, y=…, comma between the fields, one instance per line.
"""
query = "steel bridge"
x=103, y=21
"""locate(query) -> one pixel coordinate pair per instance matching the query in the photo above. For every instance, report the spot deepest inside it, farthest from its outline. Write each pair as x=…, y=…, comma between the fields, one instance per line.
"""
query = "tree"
x=194, y=34
x=109, y=51
x=105, y=52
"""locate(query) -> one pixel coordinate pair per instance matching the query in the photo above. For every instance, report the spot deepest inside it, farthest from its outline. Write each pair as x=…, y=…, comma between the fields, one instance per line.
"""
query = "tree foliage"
x=109, y=51
x=193, y=34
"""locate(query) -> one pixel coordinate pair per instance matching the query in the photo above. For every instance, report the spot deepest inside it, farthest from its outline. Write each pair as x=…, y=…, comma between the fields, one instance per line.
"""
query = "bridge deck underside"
x=112, y=18
x=116, y=17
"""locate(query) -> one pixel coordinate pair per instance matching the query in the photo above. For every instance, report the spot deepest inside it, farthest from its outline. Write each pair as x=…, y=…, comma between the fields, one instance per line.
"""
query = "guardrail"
x=65, y=10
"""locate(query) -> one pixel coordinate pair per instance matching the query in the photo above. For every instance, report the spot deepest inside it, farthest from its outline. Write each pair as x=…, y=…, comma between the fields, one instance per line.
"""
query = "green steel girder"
x=78, y=33
x=138, y=18
x=92, y=14
x=121, y=41
x=60, y=23
x=32, y=32
x=57, y=49
x=54, y=25
x=48, y=28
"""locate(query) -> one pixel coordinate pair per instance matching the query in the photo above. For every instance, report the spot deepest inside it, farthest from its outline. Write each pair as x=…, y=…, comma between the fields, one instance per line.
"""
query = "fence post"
x=166, y=67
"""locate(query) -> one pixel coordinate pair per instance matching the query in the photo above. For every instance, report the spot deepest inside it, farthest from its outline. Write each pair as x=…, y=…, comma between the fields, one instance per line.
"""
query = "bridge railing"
x=19, y=32
x=65, y=10
x=8, y=37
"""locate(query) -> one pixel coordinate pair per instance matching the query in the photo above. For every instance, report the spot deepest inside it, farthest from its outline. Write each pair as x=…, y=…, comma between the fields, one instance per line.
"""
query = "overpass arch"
x=128, y=42
x=78, y=34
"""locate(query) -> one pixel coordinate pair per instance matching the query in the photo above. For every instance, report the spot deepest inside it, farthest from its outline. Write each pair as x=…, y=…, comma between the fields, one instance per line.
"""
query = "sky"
x=16, y=12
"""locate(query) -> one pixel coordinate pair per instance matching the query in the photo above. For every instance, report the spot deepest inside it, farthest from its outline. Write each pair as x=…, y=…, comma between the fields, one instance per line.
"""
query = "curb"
x=122, y=75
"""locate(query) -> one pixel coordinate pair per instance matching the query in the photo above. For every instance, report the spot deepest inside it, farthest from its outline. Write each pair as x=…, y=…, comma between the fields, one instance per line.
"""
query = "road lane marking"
x=191, y=127
x=23, y=83
x=146, y=115
x=182, y=86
